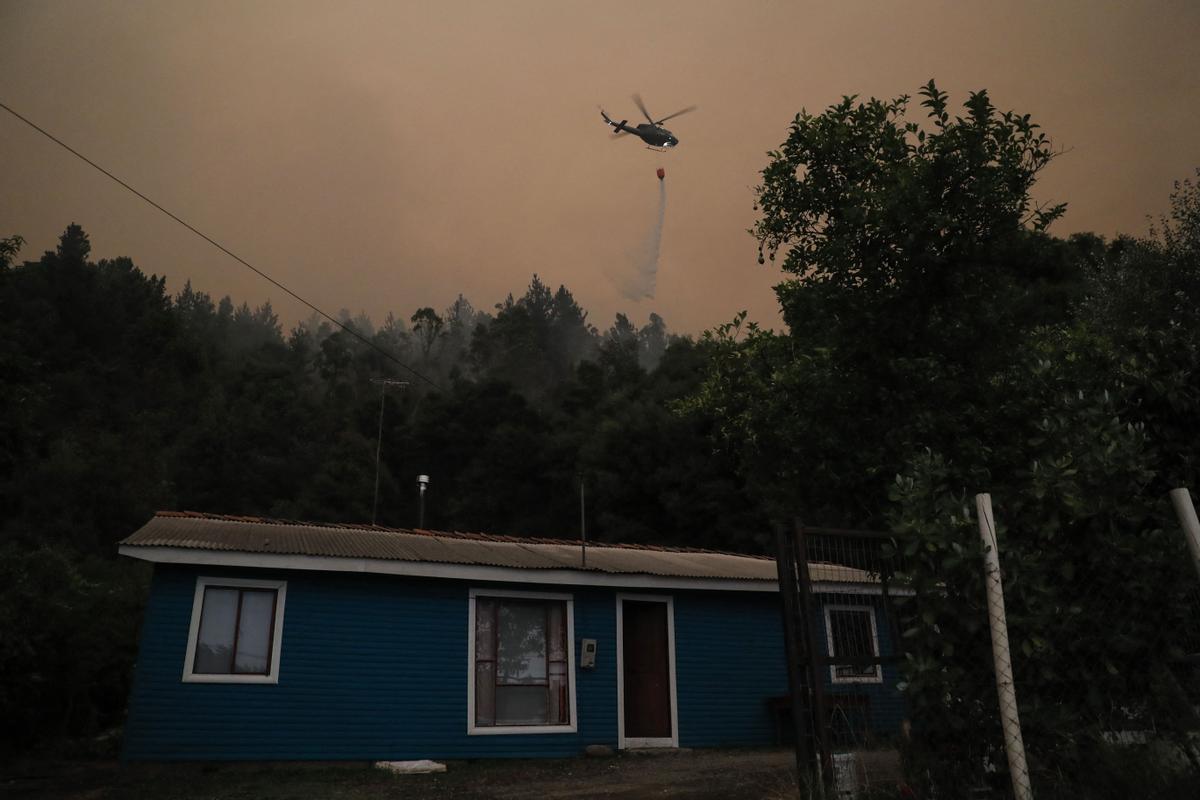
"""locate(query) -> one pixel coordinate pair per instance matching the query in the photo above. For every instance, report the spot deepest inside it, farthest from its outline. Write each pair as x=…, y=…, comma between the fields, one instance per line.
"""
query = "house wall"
x=375, y=667
x=729, y=659
x=885, y=707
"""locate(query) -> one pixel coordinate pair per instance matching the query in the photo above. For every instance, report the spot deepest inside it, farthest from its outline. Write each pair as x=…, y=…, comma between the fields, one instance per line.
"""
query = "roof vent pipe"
x=422, y=484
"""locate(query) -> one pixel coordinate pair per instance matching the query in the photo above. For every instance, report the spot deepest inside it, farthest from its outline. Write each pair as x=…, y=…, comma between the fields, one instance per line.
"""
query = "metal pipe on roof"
x=422, y=482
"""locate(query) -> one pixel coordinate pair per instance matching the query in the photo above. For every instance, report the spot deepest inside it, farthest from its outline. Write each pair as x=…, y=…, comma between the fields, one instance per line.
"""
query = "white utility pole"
x=1182, y=500
x=1010, y=721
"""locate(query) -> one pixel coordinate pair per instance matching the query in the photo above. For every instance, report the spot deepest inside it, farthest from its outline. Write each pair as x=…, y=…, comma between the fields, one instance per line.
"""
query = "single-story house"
x=265, y=639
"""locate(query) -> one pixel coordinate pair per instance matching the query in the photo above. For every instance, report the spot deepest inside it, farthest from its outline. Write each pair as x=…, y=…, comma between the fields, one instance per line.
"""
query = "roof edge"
x=161, y=554
x=462, y=535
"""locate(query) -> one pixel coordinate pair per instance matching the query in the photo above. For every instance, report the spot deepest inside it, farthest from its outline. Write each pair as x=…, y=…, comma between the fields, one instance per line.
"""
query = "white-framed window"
x=236, y=631
x=851, y=633
x=521, y=655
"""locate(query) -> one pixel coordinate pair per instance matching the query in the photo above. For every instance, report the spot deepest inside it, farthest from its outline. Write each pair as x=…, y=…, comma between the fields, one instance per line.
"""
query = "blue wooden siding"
x=375, y=667
x=371, y=667
x=729, y=659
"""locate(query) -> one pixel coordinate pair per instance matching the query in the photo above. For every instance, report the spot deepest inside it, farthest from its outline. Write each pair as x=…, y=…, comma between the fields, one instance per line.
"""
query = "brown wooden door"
x=647, y=670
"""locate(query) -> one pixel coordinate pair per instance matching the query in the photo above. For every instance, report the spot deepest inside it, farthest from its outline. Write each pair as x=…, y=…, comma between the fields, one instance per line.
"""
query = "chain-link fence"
x=1076, y=676
x=843, y=600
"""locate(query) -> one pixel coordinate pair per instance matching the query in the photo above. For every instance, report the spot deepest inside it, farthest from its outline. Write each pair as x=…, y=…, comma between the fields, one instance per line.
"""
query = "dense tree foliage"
x=120, y=399
x=1098, y=420
x=941, y=343
x=918, y=263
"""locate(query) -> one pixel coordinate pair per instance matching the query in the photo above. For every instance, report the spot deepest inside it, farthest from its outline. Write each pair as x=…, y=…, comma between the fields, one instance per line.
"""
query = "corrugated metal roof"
x=192, y=530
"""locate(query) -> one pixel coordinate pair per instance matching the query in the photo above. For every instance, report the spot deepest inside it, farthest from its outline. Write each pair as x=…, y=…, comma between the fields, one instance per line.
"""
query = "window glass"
x=236, y=630
x=521, y=675
x=214, y=644
x=254, y=633
x=852, y=635
x=521, y=640
x=522, y=705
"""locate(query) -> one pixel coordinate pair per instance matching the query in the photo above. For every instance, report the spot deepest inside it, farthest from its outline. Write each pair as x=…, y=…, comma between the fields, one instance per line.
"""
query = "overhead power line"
x=347, y=328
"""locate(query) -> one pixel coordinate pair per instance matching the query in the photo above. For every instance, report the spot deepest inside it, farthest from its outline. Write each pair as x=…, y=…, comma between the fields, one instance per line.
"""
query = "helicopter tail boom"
x=620, y=126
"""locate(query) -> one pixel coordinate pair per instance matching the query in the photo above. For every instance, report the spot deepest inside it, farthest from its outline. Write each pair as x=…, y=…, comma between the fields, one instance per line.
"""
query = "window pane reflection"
x=236, y=629
x=521, y=705
x=522, y=643
x=218, y=618
x=254, y=633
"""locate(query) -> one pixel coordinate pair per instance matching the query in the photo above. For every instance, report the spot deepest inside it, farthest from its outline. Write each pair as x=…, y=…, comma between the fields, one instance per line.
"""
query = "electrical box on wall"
x=587, y=653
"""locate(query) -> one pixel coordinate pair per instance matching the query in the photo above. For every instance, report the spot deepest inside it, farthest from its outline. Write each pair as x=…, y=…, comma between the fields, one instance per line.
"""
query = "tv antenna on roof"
x=383, y=384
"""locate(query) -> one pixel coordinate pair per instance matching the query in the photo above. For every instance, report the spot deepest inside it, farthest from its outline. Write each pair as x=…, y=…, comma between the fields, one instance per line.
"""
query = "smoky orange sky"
x=382, y=156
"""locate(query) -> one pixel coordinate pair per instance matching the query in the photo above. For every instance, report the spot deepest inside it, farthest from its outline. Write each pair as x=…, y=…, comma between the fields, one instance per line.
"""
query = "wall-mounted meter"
x=587, y=653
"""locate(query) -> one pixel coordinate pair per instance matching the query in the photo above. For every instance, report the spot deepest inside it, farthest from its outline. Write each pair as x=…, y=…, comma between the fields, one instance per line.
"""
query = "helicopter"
x=653, y=134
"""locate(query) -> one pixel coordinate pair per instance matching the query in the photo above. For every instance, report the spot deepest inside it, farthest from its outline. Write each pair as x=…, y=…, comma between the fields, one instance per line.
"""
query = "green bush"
x=68, y=638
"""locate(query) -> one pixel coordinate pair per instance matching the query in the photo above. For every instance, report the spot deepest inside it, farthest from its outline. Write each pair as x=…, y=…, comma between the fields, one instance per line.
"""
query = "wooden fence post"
x=1182, y=500
x=1010, y=720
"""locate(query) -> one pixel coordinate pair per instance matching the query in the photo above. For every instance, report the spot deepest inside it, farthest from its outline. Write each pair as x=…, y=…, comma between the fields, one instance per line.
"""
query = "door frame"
x=624, y=743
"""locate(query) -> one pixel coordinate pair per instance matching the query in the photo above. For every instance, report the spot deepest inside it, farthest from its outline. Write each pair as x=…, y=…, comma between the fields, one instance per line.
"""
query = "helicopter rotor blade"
x=637, y=98
x=687, y=110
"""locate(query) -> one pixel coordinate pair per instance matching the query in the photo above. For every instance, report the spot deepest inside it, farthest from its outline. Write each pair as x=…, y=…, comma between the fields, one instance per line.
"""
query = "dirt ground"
x=702, y=774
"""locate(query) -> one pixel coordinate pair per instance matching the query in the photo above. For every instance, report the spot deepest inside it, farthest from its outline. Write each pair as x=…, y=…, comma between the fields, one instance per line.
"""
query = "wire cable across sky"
x=347, y=328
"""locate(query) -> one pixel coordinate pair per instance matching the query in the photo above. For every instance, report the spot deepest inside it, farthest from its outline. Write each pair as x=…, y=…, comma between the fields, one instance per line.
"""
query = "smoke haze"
x=376, y=155
x=639, y=285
